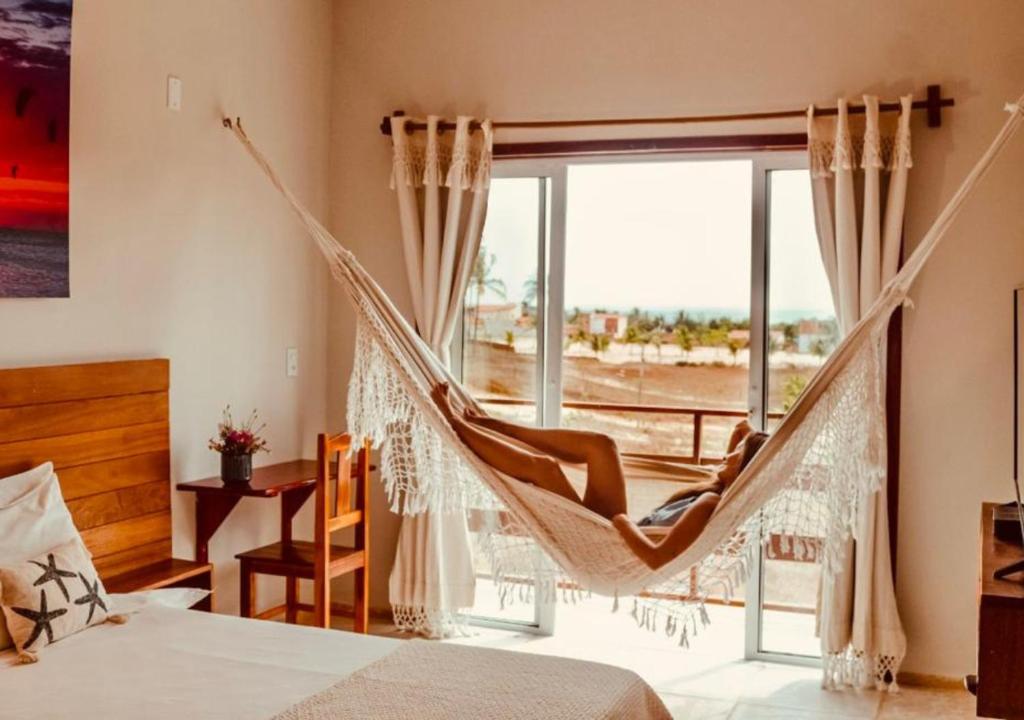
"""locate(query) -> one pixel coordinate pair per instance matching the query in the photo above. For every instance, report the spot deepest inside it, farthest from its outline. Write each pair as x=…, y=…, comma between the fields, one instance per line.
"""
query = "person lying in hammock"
x=531, y=454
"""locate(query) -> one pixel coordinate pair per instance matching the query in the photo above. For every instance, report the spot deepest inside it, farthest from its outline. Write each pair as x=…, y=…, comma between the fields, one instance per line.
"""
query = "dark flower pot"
x=236, y=468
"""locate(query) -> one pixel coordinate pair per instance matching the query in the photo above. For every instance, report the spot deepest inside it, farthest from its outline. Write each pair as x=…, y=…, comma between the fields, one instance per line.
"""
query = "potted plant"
x=236, y=445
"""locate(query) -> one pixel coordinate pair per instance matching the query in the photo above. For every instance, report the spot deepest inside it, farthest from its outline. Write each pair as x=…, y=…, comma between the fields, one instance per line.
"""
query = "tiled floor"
x=710, y=680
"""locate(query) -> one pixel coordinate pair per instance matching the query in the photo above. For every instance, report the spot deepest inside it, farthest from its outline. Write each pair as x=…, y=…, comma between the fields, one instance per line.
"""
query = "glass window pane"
x=500, y=341
x=499, y=360
x=802, y=332
x=657, y=307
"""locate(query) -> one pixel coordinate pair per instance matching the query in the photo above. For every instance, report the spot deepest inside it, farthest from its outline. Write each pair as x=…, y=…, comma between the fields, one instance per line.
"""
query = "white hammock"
x=826, y=457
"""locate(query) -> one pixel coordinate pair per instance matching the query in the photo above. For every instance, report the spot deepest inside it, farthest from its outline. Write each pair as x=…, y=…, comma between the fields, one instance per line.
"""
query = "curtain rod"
x=933, y=104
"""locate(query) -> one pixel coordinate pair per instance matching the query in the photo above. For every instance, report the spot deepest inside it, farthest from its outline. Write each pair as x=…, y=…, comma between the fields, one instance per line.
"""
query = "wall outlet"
x=291, y=362
x=173, y=93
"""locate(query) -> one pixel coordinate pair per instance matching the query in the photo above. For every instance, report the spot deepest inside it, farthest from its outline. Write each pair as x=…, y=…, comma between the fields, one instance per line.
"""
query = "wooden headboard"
x=105, y=427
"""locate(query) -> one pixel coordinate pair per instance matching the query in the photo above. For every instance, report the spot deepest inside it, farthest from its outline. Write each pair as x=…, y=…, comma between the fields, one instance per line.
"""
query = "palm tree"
x=482, y=280
x=819, y=348
x=599, y=342
x=579, y=335
x=636, y=335
x=530, y=291
x=657, y=338
x=795, y=385
x=735, y=345
x=684, y=339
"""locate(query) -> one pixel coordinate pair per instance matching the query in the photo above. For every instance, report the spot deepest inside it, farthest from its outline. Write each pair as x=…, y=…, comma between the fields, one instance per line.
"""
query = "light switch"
x=291, y=362
x=173, y=93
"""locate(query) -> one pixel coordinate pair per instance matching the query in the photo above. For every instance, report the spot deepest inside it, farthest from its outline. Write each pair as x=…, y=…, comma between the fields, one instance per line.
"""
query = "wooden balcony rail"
x=697, y=413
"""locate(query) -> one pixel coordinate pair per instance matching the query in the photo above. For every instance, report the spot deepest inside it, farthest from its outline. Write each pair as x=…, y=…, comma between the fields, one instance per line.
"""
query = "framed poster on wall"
x=35, y=89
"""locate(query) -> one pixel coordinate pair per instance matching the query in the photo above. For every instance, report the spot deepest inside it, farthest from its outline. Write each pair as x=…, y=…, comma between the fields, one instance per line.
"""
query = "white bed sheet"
x=167, y=663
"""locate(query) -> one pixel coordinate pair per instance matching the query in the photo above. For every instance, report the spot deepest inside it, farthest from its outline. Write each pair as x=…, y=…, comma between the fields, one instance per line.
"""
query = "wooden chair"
x=320, y=560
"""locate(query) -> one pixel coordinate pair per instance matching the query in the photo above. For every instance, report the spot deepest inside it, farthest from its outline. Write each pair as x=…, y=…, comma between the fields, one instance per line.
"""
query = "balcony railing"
x=698, y=414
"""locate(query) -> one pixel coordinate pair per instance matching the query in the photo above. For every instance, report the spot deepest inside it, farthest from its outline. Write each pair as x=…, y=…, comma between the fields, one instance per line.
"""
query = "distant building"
x=491, y=321
x=599, y=323
x=811, y=332
x=740, y=335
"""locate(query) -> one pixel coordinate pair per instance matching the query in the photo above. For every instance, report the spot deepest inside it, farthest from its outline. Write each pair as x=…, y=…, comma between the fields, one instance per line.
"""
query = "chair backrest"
x=341, y=490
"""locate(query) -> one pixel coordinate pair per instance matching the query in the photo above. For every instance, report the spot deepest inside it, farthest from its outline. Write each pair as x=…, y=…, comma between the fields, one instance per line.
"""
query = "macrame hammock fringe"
x=823, y=462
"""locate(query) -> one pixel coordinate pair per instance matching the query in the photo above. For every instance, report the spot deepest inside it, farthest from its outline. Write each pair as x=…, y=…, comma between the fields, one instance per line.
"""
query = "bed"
x=105, y=428
x=173, y=663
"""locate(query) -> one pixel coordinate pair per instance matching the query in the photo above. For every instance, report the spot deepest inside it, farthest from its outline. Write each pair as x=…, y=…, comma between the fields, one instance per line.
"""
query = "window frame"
x=551, y=317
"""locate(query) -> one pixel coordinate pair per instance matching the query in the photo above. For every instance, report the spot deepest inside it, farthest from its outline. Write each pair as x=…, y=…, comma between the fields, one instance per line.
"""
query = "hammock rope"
x=824, y=461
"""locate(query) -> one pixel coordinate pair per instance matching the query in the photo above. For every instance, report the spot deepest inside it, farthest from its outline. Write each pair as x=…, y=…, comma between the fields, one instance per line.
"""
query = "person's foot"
x=472, y=415
x=439, y=394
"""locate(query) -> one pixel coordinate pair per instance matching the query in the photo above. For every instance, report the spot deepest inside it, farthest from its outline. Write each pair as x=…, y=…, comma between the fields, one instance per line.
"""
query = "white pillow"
x=33, y=520
x=180, y=598
x=13, y=487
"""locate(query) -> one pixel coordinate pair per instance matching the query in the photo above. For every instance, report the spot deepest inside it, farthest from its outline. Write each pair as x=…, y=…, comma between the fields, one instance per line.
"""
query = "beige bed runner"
x=437, y=681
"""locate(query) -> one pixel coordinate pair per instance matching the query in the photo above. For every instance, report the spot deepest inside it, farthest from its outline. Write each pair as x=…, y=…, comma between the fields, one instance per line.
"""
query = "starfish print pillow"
x=50, y=597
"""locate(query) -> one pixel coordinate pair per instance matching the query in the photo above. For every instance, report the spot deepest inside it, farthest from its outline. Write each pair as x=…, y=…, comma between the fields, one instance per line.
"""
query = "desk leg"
x=210, y=513
x=291, y=502
x=205, y=582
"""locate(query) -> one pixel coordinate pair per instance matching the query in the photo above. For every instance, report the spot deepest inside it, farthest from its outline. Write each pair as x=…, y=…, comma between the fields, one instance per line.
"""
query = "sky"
x=663, y=234
x=35, y=44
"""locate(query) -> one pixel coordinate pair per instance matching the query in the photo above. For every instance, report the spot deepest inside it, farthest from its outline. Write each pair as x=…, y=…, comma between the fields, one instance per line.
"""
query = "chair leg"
x=362, y=601
x=247, y=592
x=291, y=599
x=321, y=600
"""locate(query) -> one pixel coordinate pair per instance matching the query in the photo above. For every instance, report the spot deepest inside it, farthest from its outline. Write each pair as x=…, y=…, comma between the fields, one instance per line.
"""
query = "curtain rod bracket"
x=385, y=123
x=934, y=106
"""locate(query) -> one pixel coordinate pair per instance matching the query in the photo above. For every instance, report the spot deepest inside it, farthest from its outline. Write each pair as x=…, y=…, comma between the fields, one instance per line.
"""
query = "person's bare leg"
x=575, y=446
x=606, y=483
x=522, y=465
x=686, y=529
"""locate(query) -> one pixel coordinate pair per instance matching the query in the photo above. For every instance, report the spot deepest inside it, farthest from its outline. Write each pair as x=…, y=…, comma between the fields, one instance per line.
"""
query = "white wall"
x=179, y=248
x=605, y=58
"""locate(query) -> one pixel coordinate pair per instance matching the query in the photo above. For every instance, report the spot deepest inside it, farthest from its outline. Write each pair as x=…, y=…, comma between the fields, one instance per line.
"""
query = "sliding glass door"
x=800, y=332
x=659, y=300
x=499, y=353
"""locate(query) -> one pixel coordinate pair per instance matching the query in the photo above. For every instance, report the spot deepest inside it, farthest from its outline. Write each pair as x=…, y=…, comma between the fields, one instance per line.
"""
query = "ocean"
x=33, y=263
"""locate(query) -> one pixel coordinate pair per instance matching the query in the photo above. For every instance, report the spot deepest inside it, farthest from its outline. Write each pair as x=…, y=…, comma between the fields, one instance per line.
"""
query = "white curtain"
x=441, y=180
x=859, y=227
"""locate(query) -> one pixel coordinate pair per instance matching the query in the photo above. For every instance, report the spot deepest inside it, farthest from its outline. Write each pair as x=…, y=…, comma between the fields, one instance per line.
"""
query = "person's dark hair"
x=751, y=445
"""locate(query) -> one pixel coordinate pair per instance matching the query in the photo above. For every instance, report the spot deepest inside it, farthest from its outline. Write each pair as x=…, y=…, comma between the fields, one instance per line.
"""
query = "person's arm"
x=695, y=489
x=686, y=529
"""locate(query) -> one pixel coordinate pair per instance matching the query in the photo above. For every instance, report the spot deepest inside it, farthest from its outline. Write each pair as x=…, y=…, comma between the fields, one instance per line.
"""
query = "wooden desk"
x=294, y=481
x=1000, y=627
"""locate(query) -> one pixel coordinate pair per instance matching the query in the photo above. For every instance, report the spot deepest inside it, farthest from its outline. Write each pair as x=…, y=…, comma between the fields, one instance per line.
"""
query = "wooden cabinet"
x=1000, y=628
